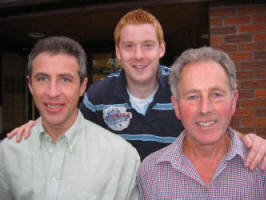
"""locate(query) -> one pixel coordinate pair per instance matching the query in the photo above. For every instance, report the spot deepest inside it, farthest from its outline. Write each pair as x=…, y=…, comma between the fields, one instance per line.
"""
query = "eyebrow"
x=45, y=74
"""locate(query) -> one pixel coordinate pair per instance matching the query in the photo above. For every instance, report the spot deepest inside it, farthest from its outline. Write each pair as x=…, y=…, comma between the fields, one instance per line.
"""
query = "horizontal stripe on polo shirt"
x=148, y=138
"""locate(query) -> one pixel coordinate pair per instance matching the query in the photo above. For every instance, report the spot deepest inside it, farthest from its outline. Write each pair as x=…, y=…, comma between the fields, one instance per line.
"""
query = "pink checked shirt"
x=169, y=174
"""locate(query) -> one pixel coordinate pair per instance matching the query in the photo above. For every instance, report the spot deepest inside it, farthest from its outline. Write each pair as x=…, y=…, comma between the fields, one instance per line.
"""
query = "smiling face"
x=205, y=103
x=56, y=88
x=139, y=51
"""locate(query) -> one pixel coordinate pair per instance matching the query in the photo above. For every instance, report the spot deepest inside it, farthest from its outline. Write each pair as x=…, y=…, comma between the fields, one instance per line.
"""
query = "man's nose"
x=205, y=105
x=53, y=88
x=139, y=53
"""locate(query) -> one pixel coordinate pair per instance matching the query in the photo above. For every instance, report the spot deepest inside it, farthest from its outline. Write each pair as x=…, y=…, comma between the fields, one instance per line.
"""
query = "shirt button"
x=71, y=148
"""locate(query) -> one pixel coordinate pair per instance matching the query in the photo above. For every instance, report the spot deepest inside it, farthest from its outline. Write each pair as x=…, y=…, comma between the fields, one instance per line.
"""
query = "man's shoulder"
x=105, y=84
x=24, y=143
x=164, y=70
x=152, y=160
x=107, y=139
x=10, y=146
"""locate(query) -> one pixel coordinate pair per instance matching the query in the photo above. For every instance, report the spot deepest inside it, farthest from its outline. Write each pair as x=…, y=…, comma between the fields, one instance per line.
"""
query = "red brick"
x=260, y=94
x=244, y=112
x=222, y=12
x=259, y=19
x=260, y=37
x=216, y=40
x=237, y=20
x=247, y=103
x=223, y=30
x=260, y=113
x=227, y=48
x=260, y=74
x=245, y=75
x=254, y=65
x=261, y=132
x=238, y=65
x=245, y=94
x=245, y=130
x=240, y=56
x=252, y=47
x=237, y=38
x=260, y=55
x=216, y=22
x=254, y=122
x=251, y=84
x=251, y=10
x=252, y=28
x=235, y=121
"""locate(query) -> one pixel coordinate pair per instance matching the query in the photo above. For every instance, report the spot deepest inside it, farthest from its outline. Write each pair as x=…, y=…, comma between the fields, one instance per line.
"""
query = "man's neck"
x=142, y=90
x=55, y=131
x=206, y=157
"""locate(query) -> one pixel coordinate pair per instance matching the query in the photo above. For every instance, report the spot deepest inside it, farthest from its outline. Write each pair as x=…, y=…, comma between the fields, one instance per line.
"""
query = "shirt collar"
x=174, y=153
x=70, y=134
x=163, y=72
x=237, y=147
x=120, y=89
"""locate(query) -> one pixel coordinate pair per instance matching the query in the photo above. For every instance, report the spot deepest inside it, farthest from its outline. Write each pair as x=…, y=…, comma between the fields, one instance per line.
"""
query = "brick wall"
x=240, y=30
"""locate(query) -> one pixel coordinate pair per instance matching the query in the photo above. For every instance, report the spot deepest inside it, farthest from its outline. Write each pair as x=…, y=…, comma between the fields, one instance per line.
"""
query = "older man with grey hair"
x=207, y=160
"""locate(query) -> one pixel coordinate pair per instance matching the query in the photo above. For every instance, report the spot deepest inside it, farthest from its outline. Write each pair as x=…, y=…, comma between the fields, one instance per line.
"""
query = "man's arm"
x=257, y=153
x=4, y=186
x=133, y=189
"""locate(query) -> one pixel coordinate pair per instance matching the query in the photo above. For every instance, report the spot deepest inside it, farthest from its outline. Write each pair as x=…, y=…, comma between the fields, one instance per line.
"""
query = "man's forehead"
x=208, y=73
x=55, y=64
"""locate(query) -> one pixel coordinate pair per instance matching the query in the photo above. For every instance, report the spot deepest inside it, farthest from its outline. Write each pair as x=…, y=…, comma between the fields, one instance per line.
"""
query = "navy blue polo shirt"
x=106, y=103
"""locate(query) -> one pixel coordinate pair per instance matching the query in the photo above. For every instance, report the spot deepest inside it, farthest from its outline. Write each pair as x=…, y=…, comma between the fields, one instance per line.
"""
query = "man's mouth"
x=139, y=66
x=53, y=106
x=206, y=123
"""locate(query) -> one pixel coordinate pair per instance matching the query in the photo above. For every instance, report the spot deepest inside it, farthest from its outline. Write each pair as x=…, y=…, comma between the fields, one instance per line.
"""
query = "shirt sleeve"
x=141, y=195
x=5, y=192
x=133, y=189
x=143, y=181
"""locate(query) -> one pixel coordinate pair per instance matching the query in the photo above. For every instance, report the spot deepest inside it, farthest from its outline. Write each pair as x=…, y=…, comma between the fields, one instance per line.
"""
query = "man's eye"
x=193, y=97
x=66, y=80
x=41, y=79
x=128, y=46
x=216, y=94
x=148, y=45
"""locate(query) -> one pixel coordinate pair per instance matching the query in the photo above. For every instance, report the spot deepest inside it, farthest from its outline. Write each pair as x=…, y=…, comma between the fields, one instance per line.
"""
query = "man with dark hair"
x=67, y=157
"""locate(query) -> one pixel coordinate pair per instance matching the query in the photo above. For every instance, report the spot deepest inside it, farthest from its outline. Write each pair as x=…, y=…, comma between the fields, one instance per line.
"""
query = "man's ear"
x=29, y=84
x=176, y=107
x=234, y=101
x=83, y=86
x=117, y=52
x=162, y=47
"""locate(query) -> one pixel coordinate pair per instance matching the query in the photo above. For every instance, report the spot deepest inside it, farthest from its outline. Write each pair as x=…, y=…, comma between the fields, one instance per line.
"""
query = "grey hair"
x=197, y=55
x=57, y=45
